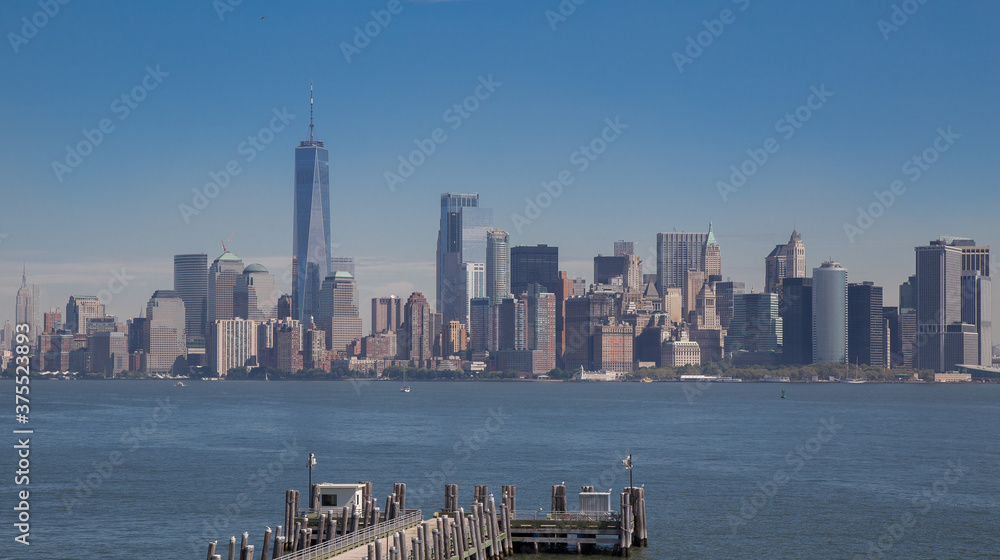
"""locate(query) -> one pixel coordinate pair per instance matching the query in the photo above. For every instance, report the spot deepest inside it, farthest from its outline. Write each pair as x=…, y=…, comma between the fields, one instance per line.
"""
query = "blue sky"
x=219, y=80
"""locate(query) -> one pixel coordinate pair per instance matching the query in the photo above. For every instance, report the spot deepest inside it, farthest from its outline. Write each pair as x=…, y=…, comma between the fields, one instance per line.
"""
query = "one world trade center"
x=311, y=227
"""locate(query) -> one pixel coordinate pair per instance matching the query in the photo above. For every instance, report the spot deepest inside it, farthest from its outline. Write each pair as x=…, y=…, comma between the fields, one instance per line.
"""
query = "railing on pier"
x=356, y=539
x=535, y=515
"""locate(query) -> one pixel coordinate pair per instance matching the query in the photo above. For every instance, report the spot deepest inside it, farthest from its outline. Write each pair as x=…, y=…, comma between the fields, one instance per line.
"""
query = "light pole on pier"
x=311, y=463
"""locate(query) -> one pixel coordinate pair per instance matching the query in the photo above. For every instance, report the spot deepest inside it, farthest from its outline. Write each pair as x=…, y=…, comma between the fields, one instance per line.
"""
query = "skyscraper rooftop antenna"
x=310, y=111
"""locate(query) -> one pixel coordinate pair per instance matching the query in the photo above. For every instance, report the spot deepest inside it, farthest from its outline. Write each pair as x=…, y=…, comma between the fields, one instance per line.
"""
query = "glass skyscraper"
x=829, y=313
x=311, y=224
x=191, y=284
x=461, y=239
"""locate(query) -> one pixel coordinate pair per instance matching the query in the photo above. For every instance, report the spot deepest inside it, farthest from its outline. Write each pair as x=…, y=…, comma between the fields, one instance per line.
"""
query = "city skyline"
x=854, y=146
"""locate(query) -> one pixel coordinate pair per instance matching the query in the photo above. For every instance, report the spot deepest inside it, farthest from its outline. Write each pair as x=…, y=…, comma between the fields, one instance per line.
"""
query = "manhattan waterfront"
x=641, y=211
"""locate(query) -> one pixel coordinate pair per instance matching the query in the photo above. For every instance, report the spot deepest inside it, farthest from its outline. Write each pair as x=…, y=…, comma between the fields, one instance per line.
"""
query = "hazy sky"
x=838, y=102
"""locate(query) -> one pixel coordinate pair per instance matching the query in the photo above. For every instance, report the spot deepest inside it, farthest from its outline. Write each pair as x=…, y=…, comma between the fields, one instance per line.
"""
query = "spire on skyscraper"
x=24, y=275
x=710, y=239
x=310, y=111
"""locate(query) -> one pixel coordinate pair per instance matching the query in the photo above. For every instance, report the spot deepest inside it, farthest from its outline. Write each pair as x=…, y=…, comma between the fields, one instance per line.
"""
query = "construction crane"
x=226, y=242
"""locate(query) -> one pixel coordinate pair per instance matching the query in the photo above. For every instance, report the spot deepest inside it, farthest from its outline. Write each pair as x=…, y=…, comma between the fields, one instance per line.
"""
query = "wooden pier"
x=485, y=532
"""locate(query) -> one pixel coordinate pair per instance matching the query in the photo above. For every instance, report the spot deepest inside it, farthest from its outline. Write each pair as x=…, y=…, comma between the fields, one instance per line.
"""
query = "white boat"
x=853, y=380
x=773, y=379
x=404, y=388
x=180, y=383
x=722, y=379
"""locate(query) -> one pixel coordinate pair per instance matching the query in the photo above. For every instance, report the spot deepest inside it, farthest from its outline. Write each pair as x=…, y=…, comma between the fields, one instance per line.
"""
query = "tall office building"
x=418, y=329
x=893, y=337
x=191, y=284
x=908, y=321
x=757, y=326
x=711, y=257
x=79, y=309
x=166, y=346
x=725, y=300
x=24, y=312
x=795, y=308
x=977, y=309
x=339, y=316
x=706, y=316
x=454, y=339
x=939, y=302
x=285, y=306
x=533, y=265
x=564, y=290
x=461, y=238
x=221, y=281
x=866, y=342
x=513, y=324
x=311, y=232
x=542, y=325
x=473, y=286
x=628, y=267
x=785, y=261
x=255, y=295
x=7, y=336
x=829, y=319
x=232, y=344
x=676, y=253
x=497, y=265
x=479, y=324
x=606, y=268
x=108, y=352
x=614, y=346
x=387, y=314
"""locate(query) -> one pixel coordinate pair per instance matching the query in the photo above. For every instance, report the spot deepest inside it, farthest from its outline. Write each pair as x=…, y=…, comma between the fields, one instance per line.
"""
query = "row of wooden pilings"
x=300, y=536
x=481, y=534
x=633, y=523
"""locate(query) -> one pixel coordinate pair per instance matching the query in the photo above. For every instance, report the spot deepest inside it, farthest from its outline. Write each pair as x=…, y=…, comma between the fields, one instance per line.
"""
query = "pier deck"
x=486, y=532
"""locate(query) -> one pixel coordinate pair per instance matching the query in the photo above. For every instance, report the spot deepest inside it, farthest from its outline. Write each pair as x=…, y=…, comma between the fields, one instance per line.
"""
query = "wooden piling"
x=248, y=552
x=425, y=537
x=267, y=543
x=509, y=497
x=450, y=538
x=506, y=517
x=399, y=489
x=232, y=548
x=295, y=535
x=450, y=498
x=638, y=501
x=371, y=551
x=559, y=497
x=211, y=549
x=244, y=541
x=378, y=549
x=279, y=547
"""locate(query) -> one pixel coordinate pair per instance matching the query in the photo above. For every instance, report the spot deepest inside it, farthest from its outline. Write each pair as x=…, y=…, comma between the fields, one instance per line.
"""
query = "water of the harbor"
x=147, y=469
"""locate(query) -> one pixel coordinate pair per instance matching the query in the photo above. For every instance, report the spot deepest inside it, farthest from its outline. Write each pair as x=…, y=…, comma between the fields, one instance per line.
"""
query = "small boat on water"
x=404, y=387
x=180, y=383
x=853, y=380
